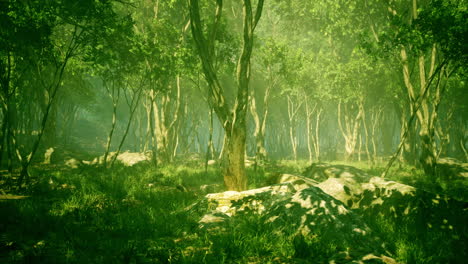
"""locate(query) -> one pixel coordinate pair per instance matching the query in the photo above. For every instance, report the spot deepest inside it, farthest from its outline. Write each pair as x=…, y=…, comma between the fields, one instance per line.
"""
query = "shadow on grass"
x=94, y=215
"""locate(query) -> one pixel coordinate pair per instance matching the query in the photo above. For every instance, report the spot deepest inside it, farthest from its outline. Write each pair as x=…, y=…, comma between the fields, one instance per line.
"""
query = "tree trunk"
x=260, y=121
x=370, y=158
x=292, y=115
x=114, y=93
x=425, y=109
x=375, y=121
x=311, y=146
x=133, y=106
x=232, y=118
x=235, y=177
x=316, y=140
x=210, y=147
x=350, y=131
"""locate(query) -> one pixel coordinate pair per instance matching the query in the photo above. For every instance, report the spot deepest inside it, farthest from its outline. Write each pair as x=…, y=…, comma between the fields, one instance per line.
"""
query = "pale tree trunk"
x=292, y=117
x=132, y=107
x=316, y=137
x=409, y=144
x=376, y=115
x=165, y=130
x=311, y=146
x=420, y=107
x=160, y=130
x=210, y=146
x=114, y=93
x=359, y=146
x=370, y=158
x=174, y=125
x=148, y=134
x=350, y=131
x=260, y=123
x=426, y=110
x=442, y=131
x=223, y=145
x=462, y=146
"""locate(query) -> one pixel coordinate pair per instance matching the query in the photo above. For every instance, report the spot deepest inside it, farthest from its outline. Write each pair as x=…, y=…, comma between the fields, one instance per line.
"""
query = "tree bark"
x=292, y=115
x=133, y=106
x=114, y=93
x=232, y=118
x=350, y=131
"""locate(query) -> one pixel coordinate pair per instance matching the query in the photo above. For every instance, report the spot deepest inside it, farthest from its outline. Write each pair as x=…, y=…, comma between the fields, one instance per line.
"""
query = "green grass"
x=136, y=215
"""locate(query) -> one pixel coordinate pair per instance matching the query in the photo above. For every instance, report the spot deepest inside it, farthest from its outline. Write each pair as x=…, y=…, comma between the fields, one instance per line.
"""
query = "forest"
x=197, y=131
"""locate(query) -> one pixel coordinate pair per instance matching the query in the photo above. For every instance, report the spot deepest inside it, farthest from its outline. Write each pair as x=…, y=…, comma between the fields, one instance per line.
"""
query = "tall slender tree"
x=233, y=117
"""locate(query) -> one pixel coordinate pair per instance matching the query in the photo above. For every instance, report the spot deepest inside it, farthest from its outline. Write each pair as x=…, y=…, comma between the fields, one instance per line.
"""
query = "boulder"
x=347, y=190
x=298, y=209
x=126, y=158
x=48, y=155
x=73, y=163
x=218, y=207
x=249, y=163
x=359, y=190
x=322, y=171
x=131, y=158
x=311, y=213
x=292, y=178
x=450, y=168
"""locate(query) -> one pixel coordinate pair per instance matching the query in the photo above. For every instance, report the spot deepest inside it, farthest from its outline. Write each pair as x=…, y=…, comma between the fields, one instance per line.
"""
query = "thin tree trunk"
x=375, y=122
x=114, y=93
x=133, y=106
x=3, y=136
x=370, y=158
x=310, y=137
x=350, y=132
x=292, y=113
x=317, y=138
x=209, y=148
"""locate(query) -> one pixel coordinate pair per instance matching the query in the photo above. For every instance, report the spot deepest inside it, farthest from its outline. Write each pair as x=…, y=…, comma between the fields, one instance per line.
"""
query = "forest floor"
x=137, y=215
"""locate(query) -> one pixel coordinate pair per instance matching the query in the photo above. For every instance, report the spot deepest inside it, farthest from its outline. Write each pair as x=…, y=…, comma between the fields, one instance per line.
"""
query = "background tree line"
x=324, y=80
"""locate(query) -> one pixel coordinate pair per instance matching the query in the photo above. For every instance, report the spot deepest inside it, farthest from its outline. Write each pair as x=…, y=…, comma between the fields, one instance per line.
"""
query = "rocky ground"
x=328, y=201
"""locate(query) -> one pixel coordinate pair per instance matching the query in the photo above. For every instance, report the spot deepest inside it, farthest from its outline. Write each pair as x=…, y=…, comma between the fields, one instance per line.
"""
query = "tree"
x=233, y=117
x=42, y=38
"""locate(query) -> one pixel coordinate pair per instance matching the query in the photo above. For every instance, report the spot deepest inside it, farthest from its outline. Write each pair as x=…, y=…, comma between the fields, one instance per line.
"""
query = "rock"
x=210, y=188
x=126, y=158
x=312, y=212
x=344, y=189
x=249, y=163
x=359, y=190
x=131, y=158
x=230, y=202
x=450, y=168
x=322, y=171
x=292, y=178
x=73, y=163
x=298, y=209
x=48, y=155
x=221, y=206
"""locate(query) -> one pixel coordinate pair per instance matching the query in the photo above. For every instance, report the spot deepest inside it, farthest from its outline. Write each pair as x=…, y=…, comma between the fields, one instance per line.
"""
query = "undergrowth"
x=136, y=215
